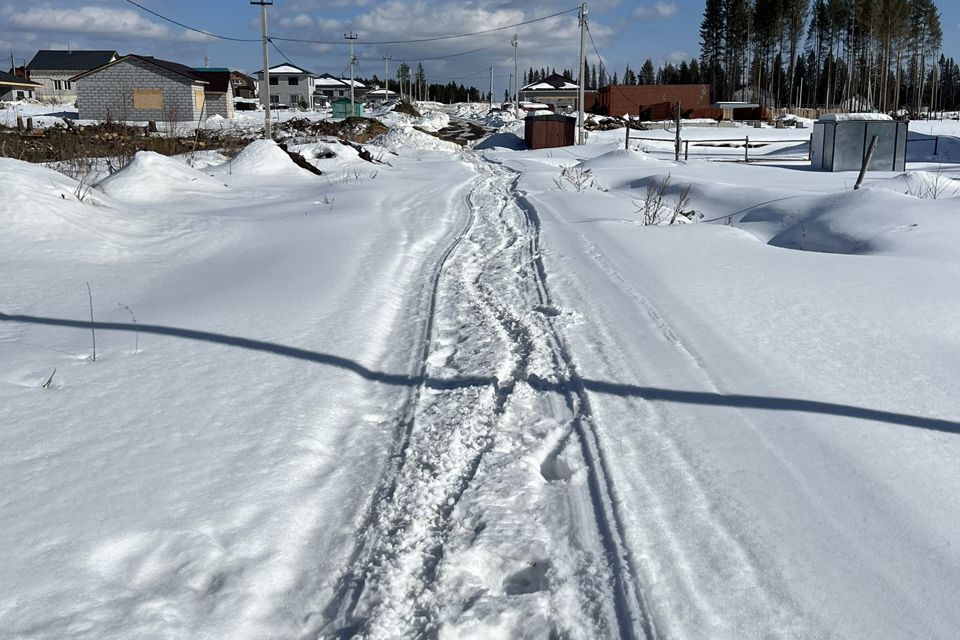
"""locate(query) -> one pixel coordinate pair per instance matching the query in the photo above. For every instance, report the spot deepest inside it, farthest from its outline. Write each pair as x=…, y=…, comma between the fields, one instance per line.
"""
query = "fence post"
x=936, y=146
x=677, y=143
x=810, y=148
x=746, y=149
x=626, y=143
x=866, y=162
x=686, y=150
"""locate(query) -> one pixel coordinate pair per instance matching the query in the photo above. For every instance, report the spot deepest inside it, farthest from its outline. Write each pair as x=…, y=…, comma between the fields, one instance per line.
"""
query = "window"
x=58, y=85
x=274, y=99
x=293, y=81
x=274, y=80
x=148, y=99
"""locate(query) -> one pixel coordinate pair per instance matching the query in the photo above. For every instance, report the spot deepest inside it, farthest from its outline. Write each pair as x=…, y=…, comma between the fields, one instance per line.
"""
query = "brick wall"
x=108, y=93
x=634, y=99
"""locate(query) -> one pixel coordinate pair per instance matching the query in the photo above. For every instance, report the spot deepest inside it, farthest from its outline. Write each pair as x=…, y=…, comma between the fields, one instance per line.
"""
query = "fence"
x=728, y=143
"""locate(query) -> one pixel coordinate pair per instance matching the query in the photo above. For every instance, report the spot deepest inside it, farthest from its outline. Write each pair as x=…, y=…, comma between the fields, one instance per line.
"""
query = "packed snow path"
x=463, y=531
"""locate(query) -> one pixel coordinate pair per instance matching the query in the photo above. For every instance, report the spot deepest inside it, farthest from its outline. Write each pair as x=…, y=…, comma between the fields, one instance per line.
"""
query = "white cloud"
x=656, y=10
x=99, y=21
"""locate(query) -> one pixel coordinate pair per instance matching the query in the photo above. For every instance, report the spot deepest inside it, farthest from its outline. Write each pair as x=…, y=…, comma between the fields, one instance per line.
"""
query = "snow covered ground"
x=469, y=394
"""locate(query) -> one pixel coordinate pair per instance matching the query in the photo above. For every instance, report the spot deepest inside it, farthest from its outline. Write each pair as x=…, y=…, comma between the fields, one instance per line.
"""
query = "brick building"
x=656, y=101
x=138, y=89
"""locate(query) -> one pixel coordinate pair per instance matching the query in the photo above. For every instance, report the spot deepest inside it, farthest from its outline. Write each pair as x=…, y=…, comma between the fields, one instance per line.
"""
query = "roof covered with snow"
x=853, y=117
x=554, y=82
x=287, y=68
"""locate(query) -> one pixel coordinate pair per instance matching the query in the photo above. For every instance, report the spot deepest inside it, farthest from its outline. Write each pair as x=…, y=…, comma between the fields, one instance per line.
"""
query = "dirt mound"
x=354, y=129
x=405, y=107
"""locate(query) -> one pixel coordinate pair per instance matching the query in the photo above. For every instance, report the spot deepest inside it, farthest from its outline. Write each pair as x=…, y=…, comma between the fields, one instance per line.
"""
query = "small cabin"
x=548, y=131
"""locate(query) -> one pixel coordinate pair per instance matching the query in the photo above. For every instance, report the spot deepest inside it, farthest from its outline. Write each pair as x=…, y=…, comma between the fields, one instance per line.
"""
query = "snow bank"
x=848, y=117
x=920, y=184
x=432, y=121
x=501, y=140
x=265, y=159
x=618, y=159
x=47, y=210
x=151, y=177
x=406, y=137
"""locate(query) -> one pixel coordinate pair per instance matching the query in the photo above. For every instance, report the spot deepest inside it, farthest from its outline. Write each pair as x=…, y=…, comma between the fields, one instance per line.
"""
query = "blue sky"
x=624, y=32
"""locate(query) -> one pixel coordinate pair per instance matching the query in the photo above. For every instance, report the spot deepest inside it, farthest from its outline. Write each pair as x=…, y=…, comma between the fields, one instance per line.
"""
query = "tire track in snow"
x=342, y=607
x=387, y=585
x=631, y=605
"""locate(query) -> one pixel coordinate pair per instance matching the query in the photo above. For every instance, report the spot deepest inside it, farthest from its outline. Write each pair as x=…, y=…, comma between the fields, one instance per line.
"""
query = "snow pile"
x=265, y=159
x=315, y=151
x=920, y=184
x=432, y=121
x=151, y=177
x=47, y=210
x=400, y=138
x=618, y=158
x=853, y=117
x=501, y=140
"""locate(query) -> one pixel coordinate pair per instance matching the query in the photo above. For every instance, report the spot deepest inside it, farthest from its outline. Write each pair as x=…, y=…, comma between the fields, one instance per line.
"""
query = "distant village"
x=105, y=85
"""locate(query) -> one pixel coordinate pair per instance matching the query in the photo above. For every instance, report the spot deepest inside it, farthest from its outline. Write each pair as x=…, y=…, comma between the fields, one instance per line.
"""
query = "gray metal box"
x=841, y=144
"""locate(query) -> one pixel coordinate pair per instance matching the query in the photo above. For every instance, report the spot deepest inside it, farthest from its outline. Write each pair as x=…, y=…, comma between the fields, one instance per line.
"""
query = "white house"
x=289, y=85
x=53, y=70
x=329, y=88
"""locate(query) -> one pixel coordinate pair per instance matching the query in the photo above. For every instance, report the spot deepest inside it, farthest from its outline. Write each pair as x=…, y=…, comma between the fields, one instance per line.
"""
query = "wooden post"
x=626, y=143
x=746, y=149
x=686, y=150
x=30, y=125
x=676, y=145
x=19, y=123
x=810, y=148
x=936, y=146
x=866, y=162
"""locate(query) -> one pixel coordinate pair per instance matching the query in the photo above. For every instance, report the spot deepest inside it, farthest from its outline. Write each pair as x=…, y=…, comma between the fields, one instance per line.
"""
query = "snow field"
x=445, y=397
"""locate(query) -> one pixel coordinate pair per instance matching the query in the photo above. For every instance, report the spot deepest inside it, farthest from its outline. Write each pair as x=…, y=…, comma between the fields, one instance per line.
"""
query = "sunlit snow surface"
x=451, y=394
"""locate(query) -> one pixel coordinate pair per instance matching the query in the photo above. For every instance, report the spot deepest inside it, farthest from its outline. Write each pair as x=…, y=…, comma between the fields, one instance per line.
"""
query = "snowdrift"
x=263, y=158
x=151, y=177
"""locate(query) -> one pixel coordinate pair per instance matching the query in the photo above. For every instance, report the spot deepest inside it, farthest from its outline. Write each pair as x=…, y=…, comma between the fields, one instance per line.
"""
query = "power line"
x=604, y=67
x=450, y=37
x=335, y=42
x=189, y=28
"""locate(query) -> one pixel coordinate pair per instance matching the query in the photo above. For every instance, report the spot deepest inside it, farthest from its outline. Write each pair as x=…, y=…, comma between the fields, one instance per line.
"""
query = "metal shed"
x=840, y=142
x=341, y=108
x=548, y=131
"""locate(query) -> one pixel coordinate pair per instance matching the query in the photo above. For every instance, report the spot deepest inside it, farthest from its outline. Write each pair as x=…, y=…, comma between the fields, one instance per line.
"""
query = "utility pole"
x=351, y=37
x=516, y=92
x=386, y=77
x=491, y=87
x=267, y=133
x=583, y=30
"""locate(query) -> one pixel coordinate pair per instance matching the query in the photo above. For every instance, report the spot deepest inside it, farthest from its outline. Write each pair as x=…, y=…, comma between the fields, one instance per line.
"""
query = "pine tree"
x=647, y=73
x=712, y=42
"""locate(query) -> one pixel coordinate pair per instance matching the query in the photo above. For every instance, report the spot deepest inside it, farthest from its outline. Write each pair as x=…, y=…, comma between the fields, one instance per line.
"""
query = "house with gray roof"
x=13, y=87
x=53, y=70
x=290, y=85
x=140, y=89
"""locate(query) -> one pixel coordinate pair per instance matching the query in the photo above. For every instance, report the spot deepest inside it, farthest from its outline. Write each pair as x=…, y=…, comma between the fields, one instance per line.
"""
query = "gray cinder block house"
x=53, y=70
x=139, y=89
x=218, y=92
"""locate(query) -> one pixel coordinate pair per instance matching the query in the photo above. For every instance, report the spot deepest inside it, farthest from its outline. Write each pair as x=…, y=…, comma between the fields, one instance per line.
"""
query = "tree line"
x=858, y=55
